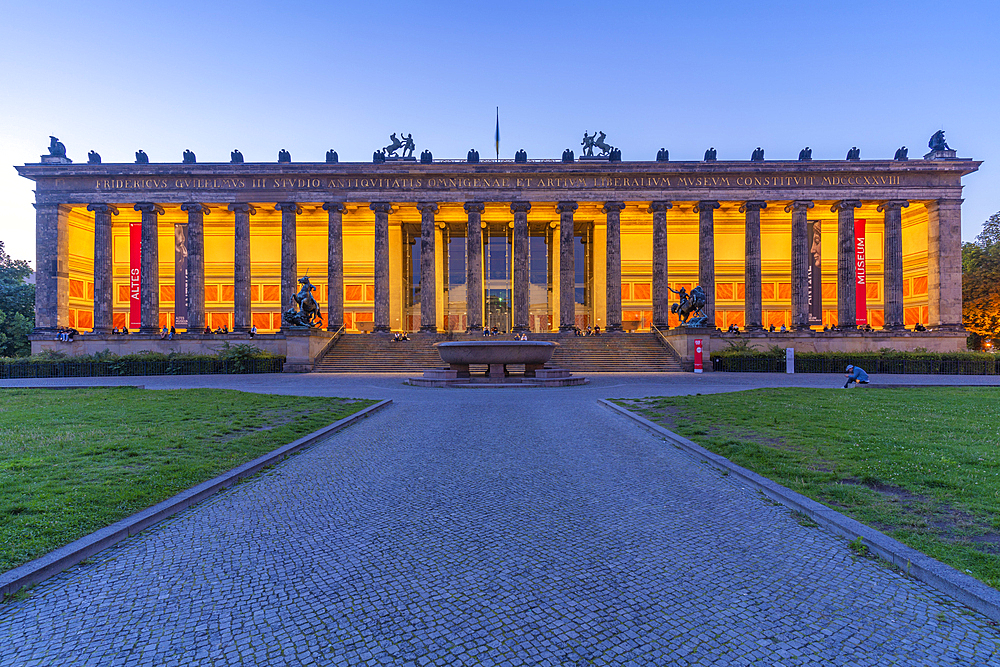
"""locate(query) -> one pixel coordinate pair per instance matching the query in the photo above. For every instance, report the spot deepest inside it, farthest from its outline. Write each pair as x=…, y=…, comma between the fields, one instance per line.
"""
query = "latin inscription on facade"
x=534, y=182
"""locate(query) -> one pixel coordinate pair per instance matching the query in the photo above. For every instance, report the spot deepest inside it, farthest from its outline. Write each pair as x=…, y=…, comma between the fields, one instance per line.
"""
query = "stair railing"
x=662, y=340
x=330, y=344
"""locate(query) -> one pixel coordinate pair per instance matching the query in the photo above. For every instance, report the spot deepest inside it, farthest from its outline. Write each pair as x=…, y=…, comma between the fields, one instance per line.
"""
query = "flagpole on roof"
x=498, y=134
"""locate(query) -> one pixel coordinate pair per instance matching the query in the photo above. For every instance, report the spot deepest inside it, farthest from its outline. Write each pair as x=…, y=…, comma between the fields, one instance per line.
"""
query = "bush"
x=52, y=363
x=883, y=361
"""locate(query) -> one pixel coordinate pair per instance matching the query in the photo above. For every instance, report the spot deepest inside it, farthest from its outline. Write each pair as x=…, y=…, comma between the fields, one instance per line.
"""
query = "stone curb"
x=962, y=587
x=67, y=556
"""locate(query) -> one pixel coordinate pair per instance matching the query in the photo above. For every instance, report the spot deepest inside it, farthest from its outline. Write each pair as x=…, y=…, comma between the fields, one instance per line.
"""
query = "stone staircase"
x=607, y=353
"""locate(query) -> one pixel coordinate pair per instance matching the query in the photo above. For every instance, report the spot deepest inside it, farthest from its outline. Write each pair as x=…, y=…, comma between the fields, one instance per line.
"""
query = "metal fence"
x=15, y=370
x=809, y=364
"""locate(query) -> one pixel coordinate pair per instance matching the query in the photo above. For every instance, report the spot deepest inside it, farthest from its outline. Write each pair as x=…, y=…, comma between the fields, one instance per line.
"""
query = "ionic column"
x=196, y=265
x=241, y=266
x=103, y=255
x=519, y=302
x=613, y=293
x=51, y=267
x=661, y=295
x=382, y=211
x=800, y=263
x=567, y=267
x=289, y=253
x=428, y=276
x=752, y=309
x=944, y=264
x=149, y=280
x=847, y=306
x=892, y=271
x=335, y=266
x=474, y=267
x=706, y=254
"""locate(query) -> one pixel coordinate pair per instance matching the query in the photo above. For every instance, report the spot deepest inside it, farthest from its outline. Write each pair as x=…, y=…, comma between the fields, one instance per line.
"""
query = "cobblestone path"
x=521, y=527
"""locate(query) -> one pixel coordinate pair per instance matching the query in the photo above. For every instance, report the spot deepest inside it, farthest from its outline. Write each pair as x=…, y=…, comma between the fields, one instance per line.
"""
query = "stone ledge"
x=967, y=590
x=67, y=556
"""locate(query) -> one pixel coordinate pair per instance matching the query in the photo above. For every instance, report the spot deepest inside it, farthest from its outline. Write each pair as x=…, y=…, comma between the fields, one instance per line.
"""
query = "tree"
x=981, y=281
x=17, y=306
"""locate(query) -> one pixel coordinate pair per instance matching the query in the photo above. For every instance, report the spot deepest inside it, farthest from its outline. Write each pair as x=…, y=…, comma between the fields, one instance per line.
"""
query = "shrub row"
x=906, y=363
x=231, y=359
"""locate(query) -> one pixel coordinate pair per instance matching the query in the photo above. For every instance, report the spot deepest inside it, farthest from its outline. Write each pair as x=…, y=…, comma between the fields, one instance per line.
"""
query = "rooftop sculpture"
x=189, y=157
x=806, y=154
x=93, y=158
x=711, y=155
x=284, y=156
x=332, y=157
x=937, y=142
x=56, y=147
x=757, y=155
x=404, y=143
x=141, y=157
x=901, y=154
x=236, y=157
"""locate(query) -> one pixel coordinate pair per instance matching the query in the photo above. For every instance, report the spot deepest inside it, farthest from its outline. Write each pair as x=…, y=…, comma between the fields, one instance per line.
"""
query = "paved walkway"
x=489, y=527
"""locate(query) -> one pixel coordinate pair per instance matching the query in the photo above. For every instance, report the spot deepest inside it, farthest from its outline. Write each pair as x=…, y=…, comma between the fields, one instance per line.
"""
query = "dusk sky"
x=309, y=76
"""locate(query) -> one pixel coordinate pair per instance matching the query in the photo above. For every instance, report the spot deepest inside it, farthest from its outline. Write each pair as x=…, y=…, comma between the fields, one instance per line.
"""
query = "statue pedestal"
x=400, y=159
x=55, y=159
x=303, y=348
x=598, y=158
x=942, y=155
x=682, y=338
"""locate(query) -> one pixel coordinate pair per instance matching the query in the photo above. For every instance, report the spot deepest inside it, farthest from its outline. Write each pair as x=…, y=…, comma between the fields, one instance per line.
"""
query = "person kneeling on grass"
x=855, y=374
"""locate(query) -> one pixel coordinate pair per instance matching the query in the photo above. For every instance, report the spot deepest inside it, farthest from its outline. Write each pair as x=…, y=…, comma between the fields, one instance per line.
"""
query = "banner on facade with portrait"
x=181, y=276
x=814, y=232
x=134, y=274
x=861, y=282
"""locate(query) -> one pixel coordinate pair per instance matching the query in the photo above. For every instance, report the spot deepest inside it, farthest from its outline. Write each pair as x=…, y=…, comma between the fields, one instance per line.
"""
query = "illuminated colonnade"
x=555, y=246
x=241, y=251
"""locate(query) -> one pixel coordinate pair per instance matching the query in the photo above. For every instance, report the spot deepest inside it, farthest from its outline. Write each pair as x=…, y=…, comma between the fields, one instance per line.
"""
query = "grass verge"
x=920, y=465
x=74, y=461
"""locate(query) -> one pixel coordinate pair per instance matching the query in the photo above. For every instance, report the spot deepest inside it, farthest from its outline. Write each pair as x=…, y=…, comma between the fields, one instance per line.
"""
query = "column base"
x=334, y=327
x=428, y=329
x=893, y=327
x=801, y=327
x=948, y=327
x=562, y=328
x=381, y=328
x=754, y=327
x=102, y=330
x=474, y=330
x=520, y=329
x=616, y=328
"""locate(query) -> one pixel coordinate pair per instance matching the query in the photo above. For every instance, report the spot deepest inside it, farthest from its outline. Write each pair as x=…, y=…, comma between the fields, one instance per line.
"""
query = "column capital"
x=846, y=205
x=148, y=207
x=610, y=206
x=335, y=206
x=799, y=205
x=706, y=205
x=659, y=206
x=520, y=206
x=195, y=207
x=381, y=207
x=243, y=208
x=288, y=206
x=892, y=203
x=474, y=207
x=103, y=208
x=427, y=207
x=752, y=205
x=566, y=206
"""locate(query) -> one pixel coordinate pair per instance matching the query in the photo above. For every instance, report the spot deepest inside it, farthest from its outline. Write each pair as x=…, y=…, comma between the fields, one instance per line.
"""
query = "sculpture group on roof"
x=939, y=150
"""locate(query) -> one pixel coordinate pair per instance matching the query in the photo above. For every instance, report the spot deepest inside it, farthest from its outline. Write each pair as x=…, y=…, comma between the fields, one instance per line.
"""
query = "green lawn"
x=73, y=461
x=918, y=464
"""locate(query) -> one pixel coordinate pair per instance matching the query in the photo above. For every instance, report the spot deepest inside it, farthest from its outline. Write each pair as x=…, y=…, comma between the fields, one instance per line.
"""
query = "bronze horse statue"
x=308, y=308
x=690, y=304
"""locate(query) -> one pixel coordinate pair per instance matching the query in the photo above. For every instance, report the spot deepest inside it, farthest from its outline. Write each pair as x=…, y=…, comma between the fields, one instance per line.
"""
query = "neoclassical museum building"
x=522, y=245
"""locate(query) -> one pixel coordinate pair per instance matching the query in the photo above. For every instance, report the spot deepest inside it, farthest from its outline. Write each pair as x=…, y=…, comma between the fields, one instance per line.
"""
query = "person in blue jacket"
x=855, y=374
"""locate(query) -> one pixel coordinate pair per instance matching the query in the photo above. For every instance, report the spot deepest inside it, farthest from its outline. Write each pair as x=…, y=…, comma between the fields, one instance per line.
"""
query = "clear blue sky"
x=308, y=76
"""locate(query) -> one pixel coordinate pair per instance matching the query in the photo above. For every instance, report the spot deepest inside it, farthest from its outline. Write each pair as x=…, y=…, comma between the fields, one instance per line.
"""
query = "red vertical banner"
x=861, y=284
x=134, y=272
x=698, y=362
